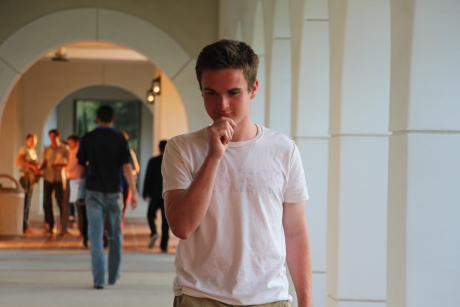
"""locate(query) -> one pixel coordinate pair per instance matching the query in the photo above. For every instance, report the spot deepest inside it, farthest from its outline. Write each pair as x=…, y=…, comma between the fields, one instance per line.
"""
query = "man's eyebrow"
x=229, y=90
x=234, y=89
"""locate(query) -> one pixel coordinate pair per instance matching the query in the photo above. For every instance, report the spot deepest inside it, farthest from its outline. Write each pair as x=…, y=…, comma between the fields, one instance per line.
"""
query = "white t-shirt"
x=28, y=155
x=237, y=254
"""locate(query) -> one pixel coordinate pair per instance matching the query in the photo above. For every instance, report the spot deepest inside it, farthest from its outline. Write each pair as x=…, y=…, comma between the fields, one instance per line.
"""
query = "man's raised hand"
x=220, y=135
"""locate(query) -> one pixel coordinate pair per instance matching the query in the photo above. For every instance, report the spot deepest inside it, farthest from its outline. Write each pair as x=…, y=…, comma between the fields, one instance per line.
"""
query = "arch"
x=62, y=27
x=65, y=26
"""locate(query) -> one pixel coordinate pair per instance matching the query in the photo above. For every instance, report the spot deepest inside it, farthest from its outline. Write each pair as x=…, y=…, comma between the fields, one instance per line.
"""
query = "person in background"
x=126, y=190
x=54, y=160
x=102, y=153
x=28, y=160
x=71, y=190
x=81, y=208
x=153, y=186
x=235, y=195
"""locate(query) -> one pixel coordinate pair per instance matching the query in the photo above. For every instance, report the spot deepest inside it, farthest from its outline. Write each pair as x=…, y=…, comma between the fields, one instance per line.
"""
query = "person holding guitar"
x=30, y=174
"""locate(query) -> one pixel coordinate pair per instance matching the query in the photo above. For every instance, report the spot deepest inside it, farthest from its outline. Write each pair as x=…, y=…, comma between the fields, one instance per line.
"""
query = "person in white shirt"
x=235, y=195
x=28, y=160
x=71, y=172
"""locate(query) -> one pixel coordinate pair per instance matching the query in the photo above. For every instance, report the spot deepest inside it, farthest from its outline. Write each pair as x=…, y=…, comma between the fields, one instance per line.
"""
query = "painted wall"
x=177, y=18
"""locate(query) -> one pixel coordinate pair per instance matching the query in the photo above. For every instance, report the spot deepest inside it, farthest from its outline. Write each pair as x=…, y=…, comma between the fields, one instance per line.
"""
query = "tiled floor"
x=52, y=271
x=136, y=236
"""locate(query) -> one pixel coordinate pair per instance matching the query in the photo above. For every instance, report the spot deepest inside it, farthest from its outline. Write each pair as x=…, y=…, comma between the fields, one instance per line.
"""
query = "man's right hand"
x=220, y=135
x=134, y=200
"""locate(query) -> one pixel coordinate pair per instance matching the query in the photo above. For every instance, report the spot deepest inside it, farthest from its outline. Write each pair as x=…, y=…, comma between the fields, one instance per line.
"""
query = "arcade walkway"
x=41, y=270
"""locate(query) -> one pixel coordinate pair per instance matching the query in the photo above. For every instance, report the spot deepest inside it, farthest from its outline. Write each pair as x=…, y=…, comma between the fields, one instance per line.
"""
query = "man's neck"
x=244, y=131
x=105, y=125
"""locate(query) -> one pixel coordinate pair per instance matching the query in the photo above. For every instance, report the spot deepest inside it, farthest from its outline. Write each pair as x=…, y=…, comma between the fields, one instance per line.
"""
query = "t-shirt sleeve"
x=176, y=174
x=296, y=190
x=125, y=153
x=22, y=151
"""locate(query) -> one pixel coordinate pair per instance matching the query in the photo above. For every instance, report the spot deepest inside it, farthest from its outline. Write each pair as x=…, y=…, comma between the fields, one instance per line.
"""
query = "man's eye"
x=234, y=93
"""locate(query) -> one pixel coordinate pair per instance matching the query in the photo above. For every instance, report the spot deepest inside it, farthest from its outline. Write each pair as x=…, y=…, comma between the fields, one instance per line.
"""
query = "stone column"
x=424, y=164
x=278, y=110
x=310, y=122
x=358, y=153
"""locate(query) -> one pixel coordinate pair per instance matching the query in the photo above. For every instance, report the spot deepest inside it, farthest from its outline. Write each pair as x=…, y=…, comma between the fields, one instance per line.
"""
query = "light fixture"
x=154, y=91
x=150, y=96
x=60, y=54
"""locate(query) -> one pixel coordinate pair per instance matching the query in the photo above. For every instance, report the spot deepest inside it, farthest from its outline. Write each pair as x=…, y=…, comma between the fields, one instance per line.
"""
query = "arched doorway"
x=63, y=27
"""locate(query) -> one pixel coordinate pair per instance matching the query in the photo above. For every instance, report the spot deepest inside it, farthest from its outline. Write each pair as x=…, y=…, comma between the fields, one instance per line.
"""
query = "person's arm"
x=20, y=161
x=80, y=171
x=185, y=209
x=136, y=167
x=44, y=162
x=128, y=172
x=63, y=160
x=298, y=251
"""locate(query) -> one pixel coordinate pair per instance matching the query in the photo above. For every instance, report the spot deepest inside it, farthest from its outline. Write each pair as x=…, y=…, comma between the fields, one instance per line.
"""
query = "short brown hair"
x=225, y=54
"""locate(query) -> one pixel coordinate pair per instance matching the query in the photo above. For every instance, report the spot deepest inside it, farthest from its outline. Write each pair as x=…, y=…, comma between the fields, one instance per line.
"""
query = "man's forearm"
x=127, y=171
x=299, y=263
x=298, y=251
x=186, y=209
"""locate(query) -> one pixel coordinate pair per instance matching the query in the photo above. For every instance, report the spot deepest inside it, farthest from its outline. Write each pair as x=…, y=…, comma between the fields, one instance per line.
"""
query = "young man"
x=153, y=187
x=235, y=195
x=104, y=151
x=54, y=160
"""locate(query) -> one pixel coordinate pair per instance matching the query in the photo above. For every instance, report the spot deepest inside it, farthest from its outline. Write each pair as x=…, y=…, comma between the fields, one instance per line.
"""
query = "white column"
x=278, y=111
x=257, y=43
x=358, y=153
x=310, y=122
x=424, y=176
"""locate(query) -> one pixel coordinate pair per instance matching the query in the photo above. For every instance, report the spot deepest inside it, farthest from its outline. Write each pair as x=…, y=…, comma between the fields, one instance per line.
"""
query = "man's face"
x=72, y=143
x=54, y=139
x=225, y=93
x=31, y=142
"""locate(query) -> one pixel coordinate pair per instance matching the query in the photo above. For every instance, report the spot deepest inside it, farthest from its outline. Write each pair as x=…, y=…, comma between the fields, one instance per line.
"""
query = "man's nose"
x=222, y=102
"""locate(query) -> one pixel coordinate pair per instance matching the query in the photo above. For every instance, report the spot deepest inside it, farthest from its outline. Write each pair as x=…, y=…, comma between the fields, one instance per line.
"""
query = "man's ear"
x=254, y=89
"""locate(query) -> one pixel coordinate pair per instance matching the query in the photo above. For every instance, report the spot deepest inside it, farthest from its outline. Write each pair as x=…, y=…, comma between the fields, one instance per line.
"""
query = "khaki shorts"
x=190, y=301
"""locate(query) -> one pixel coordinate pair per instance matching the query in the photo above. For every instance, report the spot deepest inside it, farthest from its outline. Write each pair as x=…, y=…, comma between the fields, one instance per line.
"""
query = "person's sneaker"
x=152, y=240
x=65, y=232
x=98, y=287
x=113, y=283
x=51, y=231
x=29, y=231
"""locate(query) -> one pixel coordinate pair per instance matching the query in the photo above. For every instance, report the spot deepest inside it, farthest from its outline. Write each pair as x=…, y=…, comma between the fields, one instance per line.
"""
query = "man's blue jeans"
x=98, y=206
